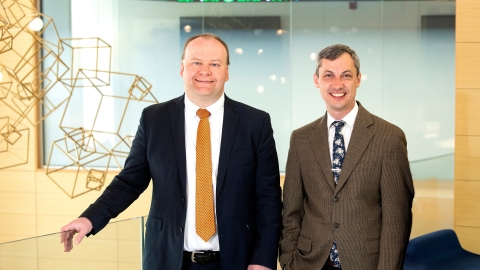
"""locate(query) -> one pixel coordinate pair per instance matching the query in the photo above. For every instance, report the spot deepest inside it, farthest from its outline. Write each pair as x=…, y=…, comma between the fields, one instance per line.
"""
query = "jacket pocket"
x=372, y=245
x=304, y=244
x=154, y=223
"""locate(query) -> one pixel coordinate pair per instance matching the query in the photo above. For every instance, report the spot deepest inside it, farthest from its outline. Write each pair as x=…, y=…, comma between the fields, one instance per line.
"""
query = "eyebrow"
x=204, y=60
x=346, y=71
x=197, y=59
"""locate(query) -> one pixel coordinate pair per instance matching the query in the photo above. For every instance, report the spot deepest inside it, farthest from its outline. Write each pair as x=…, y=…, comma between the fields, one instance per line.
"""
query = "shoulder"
x=310, y=127
x=243, y=108
x=246, y=114
x=162, y=112
x=163, y=106
x=379, y=126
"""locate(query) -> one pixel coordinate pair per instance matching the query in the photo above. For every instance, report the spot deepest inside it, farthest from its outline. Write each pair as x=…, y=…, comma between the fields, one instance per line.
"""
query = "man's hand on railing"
x=82, y=226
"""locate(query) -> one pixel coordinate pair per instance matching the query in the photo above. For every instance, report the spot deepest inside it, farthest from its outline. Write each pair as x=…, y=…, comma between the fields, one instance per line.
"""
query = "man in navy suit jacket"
x=246, y=186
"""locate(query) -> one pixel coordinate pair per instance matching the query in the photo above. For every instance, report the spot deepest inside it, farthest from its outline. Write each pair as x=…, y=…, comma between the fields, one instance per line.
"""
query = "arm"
x=397, y=194
x=127, y=186
x=268, y=201
x=122, y=191
x=293, y=211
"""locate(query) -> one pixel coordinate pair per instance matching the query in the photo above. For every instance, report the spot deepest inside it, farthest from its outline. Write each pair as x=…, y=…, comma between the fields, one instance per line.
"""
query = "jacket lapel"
x=177, y=120
x=319, y=141
x=361, y=137
x=229, y=130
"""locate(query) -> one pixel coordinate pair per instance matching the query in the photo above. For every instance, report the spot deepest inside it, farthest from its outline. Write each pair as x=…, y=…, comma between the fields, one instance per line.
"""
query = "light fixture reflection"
x=260, y=89
x=282, y=80
x=36, y=24
x=279, y=32
x=272, y=77
x=260, y=51
x=313, y=56
x=187, y=28
x=239, y=50
x=364, y=77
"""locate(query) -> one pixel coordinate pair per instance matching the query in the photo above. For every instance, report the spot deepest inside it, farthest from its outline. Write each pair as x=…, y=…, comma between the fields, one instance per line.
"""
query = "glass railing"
x=118, y=246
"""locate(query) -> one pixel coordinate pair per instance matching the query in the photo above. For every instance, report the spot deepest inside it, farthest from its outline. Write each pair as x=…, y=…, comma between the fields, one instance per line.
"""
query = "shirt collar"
x=349, y=118
x=191, y=108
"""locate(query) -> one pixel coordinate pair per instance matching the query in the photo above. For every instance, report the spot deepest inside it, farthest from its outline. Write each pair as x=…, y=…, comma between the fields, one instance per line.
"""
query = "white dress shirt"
x=346, y=130
x=192, y=241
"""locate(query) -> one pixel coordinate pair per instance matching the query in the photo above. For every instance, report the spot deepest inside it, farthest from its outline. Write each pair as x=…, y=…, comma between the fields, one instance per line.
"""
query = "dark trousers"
x=328, y=265
x=189, y=265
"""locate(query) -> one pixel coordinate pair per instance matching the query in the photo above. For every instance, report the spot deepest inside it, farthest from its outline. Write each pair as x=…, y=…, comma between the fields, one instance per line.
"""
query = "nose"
x=205, y=70
x=337, y=83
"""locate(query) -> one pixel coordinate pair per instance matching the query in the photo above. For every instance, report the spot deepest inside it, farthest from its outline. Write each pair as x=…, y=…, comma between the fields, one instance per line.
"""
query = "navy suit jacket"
x=248, y=194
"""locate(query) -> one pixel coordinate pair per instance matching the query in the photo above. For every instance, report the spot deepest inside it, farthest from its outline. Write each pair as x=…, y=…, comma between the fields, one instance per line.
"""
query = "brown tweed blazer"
x=368, y=212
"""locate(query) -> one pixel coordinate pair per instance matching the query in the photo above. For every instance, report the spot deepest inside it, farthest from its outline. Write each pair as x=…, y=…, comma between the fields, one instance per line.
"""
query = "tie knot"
x=203, y=113
x=338, y=125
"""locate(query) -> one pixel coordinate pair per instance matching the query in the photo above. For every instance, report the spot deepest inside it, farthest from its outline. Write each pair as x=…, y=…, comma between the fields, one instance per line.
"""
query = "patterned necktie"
x=338, y=150
x=204, y=214
x=337, y=162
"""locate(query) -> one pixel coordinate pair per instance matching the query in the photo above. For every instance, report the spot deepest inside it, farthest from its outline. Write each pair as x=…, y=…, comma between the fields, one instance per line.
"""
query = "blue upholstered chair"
x=439, y=250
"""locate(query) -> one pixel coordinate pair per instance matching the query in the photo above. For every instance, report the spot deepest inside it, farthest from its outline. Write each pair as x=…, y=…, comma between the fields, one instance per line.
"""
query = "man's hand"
x=82, y=226
x=257, y=267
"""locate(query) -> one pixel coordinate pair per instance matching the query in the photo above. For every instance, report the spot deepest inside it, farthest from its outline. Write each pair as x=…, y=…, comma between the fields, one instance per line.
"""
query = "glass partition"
x=406, y=50
x=118, y=246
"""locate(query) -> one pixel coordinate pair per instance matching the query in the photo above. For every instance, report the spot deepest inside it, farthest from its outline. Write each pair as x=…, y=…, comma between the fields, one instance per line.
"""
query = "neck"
x=339, y=115
x=203, y=102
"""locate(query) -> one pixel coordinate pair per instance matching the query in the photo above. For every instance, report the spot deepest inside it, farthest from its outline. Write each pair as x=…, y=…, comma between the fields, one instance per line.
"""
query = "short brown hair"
x=333, y=52
x=206, y=35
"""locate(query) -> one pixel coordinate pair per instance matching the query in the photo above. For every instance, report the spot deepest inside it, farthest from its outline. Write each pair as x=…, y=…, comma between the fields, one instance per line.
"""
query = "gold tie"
x=205, y=214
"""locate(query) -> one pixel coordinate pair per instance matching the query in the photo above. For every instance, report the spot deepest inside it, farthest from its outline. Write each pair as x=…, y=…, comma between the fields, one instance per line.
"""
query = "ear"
x=315, y=80
x=227, y=77
x=181, y=68
x=359, y=79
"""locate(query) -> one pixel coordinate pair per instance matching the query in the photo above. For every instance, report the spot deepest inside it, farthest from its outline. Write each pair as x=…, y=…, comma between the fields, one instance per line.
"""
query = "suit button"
x=180, y=229
x=336, y=225
x=335, y=199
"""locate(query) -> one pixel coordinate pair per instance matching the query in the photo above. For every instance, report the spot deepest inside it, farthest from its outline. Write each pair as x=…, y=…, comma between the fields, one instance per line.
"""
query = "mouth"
x=203, y=81
x=337, y=95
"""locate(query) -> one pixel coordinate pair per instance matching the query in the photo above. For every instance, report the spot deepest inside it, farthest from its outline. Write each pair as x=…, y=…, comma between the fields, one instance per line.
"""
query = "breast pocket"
x=367, y=170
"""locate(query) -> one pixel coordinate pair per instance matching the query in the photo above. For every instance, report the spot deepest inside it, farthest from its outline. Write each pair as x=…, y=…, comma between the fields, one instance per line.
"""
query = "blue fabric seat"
x=439, y=250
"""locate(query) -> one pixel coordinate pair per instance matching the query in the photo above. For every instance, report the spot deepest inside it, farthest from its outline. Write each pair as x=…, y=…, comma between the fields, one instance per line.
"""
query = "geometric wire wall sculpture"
x=13, y=143
x=87, y=54
x=56, y=72
x=89, y=141
x=80, y=148
x=14, y=135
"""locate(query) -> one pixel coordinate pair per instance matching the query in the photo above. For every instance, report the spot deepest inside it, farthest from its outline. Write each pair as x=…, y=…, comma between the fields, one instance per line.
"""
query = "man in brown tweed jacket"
x=363, y=221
